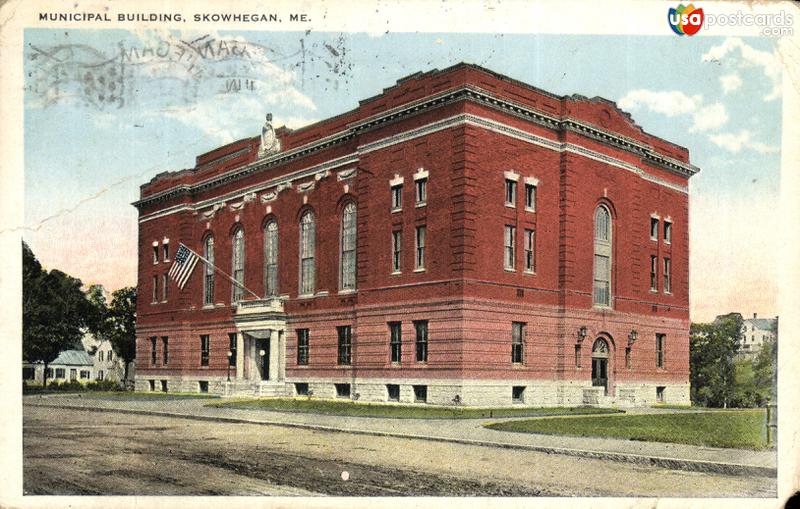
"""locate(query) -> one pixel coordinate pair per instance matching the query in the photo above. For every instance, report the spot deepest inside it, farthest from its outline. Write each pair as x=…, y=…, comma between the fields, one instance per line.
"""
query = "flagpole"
x=222, y=272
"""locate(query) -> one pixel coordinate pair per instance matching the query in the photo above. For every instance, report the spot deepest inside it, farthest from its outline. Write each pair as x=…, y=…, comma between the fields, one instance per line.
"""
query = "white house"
x=756, y=331
x=70, y=365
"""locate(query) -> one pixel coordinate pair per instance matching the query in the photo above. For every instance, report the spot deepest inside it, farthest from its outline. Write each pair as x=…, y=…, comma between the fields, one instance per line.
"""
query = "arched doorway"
x=600, y=364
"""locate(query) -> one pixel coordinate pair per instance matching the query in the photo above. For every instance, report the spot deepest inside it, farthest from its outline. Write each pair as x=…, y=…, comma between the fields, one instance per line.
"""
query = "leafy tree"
x=712, y=349
x=764, y=367
x=54, y=311
x=120, y=324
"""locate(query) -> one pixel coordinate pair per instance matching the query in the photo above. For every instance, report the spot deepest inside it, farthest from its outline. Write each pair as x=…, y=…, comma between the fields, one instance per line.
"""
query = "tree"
x=764, y=368
x=54, y=311
x=120, y=324
x=712, y=349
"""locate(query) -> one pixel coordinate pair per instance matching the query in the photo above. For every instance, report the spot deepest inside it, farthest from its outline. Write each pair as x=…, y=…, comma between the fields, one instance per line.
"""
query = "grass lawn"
x=350, y=408
x=729, y=428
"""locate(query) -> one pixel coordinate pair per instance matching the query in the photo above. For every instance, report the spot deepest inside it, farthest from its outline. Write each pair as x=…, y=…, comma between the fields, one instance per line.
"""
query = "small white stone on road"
x=345, y=475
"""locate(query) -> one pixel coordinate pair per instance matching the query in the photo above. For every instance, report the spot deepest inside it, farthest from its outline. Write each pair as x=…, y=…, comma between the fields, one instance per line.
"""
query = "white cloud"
x=730, y=82
x=769, y=63
x=669, y=102
x=709, y=117
x=735, y=142
x=674, y=103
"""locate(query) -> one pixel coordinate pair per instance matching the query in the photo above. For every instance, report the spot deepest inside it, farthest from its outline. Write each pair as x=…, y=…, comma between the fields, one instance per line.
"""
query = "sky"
x=96, y=130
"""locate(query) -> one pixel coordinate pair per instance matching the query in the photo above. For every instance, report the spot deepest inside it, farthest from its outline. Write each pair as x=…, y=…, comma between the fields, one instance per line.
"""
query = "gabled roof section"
x=73, y=358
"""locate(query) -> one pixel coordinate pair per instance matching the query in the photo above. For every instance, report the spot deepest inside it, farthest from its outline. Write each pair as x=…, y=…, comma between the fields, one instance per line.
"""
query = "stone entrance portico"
x=260, y=348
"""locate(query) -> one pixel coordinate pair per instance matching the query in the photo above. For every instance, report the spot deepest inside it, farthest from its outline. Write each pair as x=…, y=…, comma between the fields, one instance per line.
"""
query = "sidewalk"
x=467, y=431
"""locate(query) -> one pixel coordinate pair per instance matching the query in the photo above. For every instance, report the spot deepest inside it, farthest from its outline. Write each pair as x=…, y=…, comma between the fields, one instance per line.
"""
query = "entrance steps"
x=247, y=388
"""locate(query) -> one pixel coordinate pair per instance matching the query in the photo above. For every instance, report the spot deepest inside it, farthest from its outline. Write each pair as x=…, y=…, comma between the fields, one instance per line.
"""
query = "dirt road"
x=71, y=452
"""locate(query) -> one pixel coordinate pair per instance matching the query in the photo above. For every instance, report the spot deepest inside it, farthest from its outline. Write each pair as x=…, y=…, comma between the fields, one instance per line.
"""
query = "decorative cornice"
x=465, y=92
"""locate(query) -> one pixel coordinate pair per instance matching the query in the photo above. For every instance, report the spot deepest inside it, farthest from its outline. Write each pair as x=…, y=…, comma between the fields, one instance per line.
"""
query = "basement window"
x=342, y=390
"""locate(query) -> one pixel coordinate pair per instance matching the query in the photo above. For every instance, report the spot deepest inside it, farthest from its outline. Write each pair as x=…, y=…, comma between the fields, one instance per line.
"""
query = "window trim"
x=396, y=190
x=667, y=231
x=655, y=222
x=510, y=198
x=271, y=258
x=420, y=192
x=529, y=251
x=302, y=346
x=421, y=341
x=531, y=190
x=310, y=250
x=237, y=290
x=509, y=248
x=208, y=271
x=397, y=251
x=420, y=244
x=395, y=343
x=344, y=348
x=205, y=350
x=603, y=248
x=349, y=208
x=667, y=275
x=518, y=333
x=654, y=273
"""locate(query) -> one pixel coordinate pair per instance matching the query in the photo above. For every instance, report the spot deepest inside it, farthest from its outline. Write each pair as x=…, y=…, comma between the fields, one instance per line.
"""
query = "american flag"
x=182, y=267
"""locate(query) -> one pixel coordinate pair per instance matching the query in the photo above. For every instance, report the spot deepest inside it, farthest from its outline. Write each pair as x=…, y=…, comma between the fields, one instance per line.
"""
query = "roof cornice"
x=466, y=92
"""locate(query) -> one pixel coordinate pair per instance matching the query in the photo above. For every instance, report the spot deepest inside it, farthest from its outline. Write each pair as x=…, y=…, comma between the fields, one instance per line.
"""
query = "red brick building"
x=460, y=237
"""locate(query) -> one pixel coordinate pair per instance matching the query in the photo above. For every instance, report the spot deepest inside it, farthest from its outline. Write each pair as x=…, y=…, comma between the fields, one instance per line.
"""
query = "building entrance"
x=600, y=364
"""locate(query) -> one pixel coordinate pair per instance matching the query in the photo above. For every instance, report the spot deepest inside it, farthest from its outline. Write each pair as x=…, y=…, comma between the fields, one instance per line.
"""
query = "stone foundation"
x=486, y=393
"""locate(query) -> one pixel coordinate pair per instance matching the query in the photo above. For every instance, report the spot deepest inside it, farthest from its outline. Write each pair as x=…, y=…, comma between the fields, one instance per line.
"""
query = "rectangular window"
x=396, y=341
x=342, y=390
x=397, y=197
x=302, y=347
x=155, y=289
x=518, y=394
x=163, y=386
x=345, y=344
x=166, y=252
x=660, y=340
x=100, y=375
x=628, y=357
x=208, y=273
x=667, y=232
x=84, y=375
x=73, y=374
x=393, y=392
x=420, y=258
x=421, y=330
x=155, y=254
x=530, y=197
x=164, y=288
x=110, y=355
x=517, y=342
x=301, y=388
x=205, y=348
x=602, y=280
x=511, y=193
x=101, y=356
x=232, y=348
x=421, y=191
x=397, y=249
x=654, y=228
x=667, y=276
x=61, y=373
x=420, y=393
x=164, y=350
x=152, y=384
x=202, y=385
x=508, y=247
x=660, y=393
x=530, y=251
x=153, y=350
x=653, y=273
x=49, y=372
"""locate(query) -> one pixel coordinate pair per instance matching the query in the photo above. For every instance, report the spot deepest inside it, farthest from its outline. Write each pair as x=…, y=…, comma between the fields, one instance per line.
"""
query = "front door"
x=263, y=353
x=600, y=364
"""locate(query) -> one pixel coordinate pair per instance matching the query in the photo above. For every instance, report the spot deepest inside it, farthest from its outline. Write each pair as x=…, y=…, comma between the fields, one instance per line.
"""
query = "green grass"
x=669, y=406
x=350, y=408
x=121, y=395
x=729, y=428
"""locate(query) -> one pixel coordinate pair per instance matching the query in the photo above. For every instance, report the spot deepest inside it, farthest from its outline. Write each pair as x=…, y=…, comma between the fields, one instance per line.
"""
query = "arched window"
x=348, y=243
x=208, y=276
x=238, y=265
x=271, y=258
x=307, y=248
x=602, y=257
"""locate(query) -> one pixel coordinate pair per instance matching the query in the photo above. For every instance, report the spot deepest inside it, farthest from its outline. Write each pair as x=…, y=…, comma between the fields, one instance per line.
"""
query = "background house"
x=69, y=365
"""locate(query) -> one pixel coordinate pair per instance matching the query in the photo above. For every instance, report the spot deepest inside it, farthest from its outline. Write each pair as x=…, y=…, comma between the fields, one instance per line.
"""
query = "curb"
x=717, y=467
